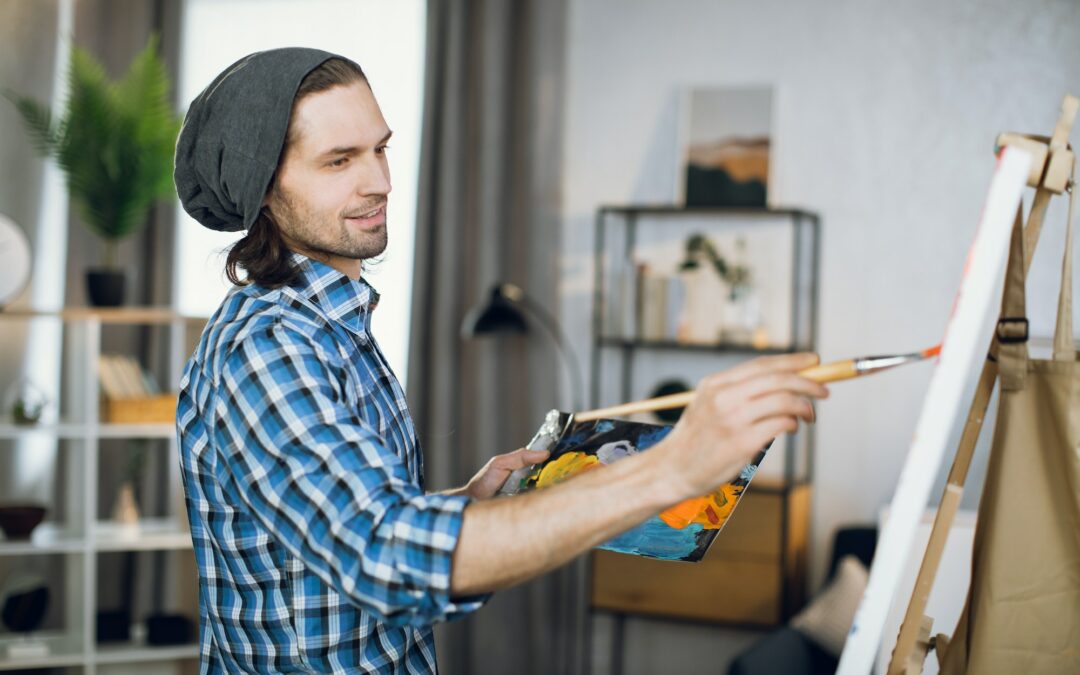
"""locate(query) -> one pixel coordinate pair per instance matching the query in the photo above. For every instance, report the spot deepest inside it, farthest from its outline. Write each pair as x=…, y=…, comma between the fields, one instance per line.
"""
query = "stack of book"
x=130, y=395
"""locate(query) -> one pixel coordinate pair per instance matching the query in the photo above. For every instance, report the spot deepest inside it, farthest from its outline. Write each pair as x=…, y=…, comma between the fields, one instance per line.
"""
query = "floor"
x=652, y=646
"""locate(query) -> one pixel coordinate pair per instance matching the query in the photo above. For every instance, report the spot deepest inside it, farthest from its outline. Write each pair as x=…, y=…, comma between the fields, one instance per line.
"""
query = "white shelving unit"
x=76, y=533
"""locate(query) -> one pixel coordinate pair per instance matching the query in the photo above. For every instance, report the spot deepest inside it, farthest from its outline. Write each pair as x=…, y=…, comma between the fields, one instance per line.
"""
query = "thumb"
x=534, y=456
x=524, y=457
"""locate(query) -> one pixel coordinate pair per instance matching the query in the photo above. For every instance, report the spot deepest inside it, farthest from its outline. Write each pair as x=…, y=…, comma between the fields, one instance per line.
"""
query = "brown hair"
x=262, y=252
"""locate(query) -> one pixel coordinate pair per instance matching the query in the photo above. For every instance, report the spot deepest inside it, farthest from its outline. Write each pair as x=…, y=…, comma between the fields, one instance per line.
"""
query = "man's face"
x=330, y=194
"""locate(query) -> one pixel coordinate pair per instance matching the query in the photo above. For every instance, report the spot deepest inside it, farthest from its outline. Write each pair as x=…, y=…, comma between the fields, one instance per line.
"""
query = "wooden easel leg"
x=914, y=665
x=950, y=502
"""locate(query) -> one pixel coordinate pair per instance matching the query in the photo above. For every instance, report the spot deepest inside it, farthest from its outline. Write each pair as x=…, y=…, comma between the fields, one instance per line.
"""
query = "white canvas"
x=963, y=352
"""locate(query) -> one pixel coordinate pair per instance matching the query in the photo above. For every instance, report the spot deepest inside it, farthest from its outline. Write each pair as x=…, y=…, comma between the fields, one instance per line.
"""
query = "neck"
x=350, y=267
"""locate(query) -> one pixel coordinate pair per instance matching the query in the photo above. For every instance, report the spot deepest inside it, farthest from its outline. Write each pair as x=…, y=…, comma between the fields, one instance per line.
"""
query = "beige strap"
x=1012, y=328
x=1064, y=349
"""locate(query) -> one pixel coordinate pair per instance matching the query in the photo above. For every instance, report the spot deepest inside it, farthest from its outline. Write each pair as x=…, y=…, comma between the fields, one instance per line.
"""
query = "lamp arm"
x=545, y=319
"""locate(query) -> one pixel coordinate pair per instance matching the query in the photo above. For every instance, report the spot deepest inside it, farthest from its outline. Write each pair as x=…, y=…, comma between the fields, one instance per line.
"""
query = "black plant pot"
x=105, y=287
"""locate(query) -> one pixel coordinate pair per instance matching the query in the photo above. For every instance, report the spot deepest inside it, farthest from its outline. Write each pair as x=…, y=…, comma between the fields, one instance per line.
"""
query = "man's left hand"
x=491, y=477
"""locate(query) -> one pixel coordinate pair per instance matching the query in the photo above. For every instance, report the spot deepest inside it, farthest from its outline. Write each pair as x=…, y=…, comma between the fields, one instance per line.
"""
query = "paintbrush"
x=557, y=422
x=826, y=372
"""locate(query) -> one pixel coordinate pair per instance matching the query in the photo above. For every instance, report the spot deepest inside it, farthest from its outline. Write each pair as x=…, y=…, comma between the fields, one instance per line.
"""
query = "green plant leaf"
x=114, y=142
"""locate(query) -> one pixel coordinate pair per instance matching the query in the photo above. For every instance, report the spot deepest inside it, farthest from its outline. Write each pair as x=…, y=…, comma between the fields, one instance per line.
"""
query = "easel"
x=1052, y=173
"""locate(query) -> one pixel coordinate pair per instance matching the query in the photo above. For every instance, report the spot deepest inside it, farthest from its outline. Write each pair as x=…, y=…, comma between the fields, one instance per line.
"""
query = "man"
x=318, y=549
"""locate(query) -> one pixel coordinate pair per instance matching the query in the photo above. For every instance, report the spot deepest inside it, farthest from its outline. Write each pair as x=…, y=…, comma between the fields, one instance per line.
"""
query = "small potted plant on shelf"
x=115, y=144
x=25, y=402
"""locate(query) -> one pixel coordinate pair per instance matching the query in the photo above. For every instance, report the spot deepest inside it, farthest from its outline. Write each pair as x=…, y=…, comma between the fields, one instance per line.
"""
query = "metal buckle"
x=1007, y=332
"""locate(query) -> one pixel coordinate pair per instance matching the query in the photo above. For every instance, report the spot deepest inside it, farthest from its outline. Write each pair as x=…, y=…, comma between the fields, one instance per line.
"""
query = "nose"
x=375, y=179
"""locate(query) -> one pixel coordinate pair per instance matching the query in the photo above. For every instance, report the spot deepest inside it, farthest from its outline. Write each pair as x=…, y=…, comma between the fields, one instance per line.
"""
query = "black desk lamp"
x=506, y=311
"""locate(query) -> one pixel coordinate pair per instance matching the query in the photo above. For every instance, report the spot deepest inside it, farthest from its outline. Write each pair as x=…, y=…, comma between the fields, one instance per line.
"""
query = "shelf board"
x=157, y=430
x=149, y=534
x=135, y=653
x=68, y=430
x=116, y=315
x=676, y=210
x=60, y=430
x=718, y=348
x=46, y=538
x=64, y=650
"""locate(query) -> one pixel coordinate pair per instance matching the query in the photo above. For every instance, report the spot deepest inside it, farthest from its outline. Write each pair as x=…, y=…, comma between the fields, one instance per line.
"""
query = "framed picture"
x=725, y=138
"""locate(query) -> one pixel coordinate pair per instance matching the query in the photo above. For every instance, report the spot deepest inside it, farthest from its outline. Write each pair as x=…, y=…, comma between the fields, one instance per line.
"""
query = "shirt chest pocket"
x=362, y=396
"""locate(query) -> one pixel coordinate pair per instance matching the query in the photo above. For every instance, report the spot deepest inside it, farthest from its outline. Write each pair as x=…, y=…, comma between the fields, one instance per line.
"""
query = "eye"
x=381, y=150
x=340, y=161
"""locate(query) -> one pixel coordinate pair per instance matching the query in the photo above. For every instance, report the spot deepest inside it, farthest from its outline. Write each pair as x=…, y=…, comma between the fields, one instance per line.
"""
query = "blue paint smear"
x=651, y=437
x=603, y=426
x=655, y=539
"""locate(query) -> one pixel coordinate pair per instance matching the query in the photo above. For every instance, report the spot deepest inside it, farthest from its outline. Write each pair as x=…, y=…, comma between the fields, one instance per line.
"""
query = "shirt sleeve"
x=326, y=488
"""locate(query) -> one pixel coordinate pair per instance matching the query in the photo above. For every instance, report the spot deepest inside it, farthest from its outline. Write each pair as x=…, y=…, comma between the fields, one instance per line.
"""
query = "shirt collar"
x=338, y=297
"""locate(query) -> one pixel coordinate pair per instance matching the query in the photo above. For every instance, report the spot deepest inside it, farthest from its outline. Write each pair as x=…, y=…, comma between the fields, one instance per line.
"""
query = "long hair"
x=262, y=253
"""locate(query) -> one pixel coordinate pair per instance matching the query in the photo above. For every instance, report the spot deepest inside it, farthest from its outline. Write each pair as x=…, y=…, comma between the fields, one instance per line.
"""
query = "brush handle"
x=828, y=372
x=831, y=372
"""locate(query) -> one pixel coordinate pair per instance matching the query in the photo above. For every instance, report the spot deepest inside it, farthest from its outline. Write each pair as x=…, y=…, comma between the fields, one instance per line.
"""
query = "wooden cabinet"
x=753, y=575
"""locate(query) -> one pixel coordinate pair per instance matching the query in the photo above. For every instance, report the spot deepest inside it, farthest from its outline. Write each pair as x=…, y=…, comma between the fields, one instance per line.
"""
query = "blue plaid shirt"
x=318, y=550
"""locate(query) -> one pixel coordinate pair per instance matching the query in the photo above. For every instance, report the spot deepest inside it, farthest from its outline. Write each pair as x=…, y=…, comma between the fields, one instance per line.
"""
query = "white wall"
x=885, y=124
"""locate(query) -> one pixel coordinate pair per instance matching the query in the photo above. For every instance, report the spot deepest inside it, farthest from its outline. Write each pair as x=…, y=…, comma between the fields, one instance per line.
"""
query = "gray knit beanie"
x=234, y=133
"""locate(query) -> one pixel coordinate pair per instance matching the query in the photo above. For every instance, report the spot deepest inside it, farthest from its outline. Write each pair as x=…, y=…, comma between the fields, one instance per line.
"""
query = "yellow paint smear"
x=566, y=466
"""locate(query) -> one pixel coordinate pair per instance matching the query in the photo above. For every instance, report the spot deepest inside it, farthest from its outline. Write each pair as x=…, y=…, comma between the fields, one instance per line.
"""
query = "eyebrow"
x=353, y=149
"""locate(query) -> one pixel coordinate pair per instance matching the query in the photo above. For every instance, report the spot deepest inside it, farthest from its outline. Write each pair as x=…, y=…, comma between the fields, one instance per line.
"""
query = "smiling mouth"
x=368, y=215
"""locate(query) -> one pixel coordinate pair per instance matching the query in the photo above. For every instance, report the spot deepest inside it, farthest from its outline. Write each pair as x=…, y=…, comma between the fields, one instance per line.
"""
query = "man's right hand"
x=734, y=415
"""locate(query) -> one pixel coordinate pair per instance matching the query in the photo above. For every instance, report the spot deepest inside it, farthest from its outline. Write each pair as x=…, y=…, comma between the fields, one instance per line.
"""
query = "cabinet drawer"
x=718, y=588
x=753, y=573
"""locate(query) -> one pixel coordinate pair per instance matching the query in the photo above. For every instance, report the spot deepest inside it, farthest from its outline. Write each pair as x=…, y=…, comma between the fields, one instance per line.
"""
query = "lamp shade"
x=500, y=314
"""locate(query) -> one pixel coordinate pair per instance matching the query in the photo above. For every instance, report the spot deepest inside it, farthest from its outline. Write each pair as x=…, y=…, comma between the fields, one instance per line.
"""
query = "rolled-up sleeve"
x=319, y=479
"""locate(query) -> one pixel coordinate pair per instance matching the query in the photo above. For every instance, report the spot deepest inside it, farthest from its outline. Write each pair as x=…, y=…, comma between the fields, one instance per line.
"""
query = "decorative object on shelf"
x=713, y=311
x=25, y=402
x=506, y=311
x=126, y=510
x=666, y=388
x=725, y=145
x=15, y=252
x=24, y=599
x=115, y=144
x=169, y=629
x=19, y=520
x=113, y=625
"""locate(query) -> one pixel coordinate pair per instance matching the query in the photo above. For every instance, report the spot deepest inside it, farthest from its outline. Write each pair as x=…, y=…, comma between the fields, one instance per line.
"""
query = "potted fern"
x=115, y=144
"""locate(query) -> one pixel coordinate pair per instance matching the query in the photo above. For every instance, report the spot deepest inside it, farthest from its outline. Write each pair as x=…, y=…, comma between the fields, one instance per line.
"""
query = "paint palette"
x=683, y=532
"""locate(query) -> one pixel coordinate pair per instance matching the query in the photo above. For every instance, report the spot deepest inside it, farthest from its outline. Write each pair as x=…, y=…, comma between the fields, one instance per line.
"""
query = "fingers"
x=773, y=382
x=519, y=458
x=775, y=404
x=764, y=365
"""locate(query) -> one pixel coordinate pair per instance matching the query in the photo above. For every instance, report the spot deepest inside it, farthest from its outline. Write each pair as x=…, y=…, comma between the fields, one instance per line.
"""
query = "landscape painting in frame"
x=683, y=532
x=726, y=141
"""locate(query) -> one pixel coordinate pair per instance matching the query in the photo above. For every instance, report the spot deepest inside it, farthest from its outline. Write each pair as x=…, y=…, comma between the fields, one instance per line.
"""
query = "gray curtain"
x=489, y=211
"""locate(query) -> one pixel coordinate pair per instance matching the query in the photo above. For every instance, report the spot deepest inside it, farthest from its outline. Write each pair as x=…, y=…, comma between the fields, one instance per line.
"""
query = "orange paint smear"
x=710, y=511
x=932, y=352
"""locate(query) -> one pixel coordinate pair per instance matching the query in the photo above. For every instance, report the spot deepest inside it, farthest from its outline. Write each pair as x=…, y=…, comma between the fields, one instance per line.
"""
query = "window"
x=387, y=40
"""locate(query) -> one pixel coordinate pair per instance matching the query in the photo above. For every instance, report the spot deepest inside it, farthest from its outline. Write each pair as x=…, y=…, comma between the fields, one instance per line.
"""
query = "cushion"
x=827, y=619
